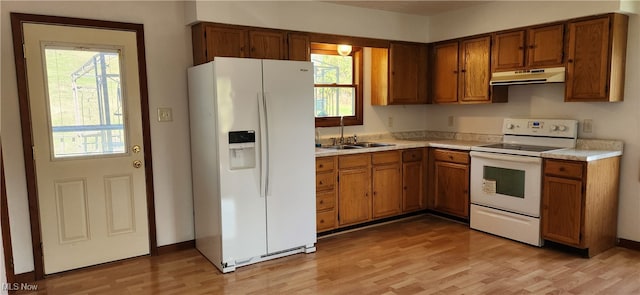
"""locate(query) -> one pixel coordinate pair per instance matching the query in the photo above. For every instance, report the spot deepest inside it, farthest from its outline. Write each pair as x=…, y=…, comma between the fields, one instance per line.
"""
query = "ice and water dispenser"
x=242, y=149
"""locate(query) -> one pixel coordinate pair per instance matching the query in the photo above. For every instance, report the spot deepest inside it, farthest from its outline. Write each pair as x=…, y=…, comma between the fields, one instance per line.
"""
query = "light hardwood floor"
x=423, y=255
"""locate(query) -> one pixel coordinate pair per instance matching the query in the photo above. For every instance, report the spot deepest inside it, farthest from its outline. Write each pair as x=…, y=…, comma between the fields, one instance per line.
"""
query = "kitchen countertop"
x=585, y=155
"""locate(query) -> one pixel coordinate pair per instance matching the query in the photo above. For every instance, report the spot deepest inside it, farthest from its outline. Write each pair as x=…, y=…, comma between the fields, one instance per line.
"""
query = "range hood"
x=548, y=75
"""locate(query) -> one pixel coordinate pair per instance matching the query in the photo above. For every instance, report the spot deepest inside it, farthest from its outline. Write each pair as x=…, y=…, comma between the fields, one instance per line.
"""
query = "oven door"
x=508, y=182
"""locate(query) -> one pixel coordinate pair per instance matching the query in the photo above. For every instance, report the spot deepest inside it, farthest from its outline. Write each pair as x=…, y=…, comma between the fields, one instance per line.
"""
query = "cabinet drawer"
x=351, y=161
x=325, y=200
x=325, y=164
x=564, y=169
x=412, y=155
x=325, y=181
x=325, y=220
x=451, y=156
x=385, y=157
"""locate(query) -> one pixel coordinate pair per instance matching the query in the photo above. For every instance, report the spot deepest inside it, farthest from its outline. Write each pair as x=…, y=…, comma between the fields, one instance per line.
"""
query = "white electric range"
x=506, y=178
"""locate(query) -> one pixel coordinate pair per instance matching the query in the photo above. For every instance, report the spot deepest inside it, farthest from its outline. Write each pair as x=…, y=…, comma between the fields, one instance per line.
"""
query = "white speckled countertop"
x=587, y=150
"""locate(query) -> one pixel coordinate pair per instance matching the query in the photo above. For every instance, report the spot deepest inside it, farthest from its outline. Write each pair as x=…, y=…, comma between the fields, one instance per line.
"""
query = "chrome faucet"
x=341, y=129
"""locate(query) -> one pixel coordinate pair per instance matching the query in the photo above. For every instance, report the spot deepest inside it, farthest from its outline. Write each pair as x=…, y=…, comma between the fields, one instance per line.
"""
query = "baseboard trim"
x=629, y=244
x=166, y=249
x=27, y=277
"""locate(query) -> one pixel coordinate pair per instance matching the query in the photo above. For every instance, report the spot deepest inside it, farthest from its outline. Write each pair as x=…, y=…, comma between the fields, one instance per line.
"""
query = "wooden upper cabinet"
x=407, y=73
x=399, y=74
x=508, y=51
x=475, y=70
x=596, y=59
x=299, y=47
x=211, y=40
x=267, y=44
x=545, y=46
x=445, y=73
x=536, y=47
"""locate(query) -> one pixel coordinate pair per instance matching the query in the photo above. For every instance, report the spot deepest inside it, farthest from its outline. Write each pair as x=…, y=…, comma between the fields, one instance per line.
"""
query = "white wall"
x=168, y=53
x=619, y=121
x=312, y=16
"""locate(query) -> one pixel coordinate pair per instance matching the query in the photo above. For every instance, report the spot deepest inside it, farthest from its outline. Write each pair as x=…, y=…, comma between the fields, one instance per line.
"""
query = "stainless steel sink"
x=359, y=145
x=372, y=144
x=342, y=147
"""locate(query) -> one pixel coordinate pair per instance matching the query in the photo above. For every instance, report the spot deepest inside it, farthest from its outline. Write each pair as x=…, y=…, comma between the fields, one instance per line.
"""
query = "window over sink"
x=338, y=85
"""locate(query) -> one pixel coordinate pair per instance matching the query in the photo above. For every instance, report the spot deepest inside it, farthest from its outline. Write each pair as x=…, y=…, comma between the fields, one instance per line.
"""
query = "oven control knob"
x=562, y=128
x=554, y=128
x=510, y=126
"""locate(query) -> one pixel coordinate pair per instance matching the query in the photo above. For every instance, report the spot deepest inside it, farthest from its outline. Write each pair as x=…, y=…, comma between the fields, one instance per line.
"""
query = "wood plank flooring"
x=422, y=255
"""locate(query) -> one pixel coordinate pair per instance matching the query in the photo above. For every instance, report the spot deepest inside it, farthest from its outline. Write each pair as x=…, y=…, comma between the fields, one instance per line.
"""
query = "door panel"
x=445, y=71
x=84, y=94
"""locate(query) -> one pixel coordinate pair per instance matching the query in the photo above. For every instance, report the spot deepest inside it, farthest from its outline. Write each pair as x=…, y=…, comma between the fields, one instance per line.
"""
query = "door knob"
x=135, y=149
x=137, y=164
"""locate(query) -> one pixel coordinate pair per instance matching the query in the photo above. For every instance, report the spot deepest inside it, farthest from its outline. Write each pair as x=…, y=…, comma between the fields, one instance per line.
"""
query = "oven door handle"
x=503, y=157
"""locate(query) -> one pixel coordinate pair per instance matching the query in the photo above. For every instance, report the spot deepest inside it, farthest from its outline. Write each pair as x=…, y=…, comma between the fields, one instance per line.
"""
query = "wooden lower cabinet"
x=449, y=179
x=326, y=193
x=413, y=179
x=387, y=184
x=357, y=188
x=354, y=189
x=580, y=203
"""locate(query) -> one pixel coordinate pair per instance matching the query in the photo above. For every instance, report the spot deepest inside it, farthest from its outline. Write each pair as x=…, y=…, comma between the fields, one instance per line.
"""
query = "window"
x=338, y=85
x=85, y=101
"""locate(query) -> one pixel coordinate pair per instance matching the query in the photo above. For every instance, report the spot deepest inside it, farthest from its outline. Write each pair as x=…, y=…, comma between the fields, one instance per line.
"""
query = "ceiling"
x=424, y=7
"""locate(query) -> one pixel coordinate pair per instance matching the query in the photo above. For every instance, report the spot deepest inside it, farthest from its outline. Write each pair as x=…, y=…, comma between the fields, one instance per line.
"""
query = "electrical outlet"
x=450, y=121
x=390, y=121
x=165, y=115
x=587, y=126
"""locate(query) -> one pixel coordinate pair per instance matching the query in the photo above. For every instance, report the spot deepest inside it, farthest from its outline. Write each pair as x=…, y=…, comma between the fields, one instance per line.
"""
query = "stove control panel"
x=541, y=127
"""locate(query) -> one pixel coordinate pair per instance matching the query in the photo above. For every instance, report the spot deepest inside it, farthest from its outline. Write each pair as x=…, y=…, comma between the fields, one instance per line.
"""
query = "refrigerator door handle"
x=264, y=145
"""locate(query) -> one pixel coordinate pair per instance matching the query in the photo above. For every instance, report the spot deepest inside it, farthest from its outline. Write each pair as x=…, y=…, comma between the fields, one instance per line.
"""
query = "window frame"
x=356, y=53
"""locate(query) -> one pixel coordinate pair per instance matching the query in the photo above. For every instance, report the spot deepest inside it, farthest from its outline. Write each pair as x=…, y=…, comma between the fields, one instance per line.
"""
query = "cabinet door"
x=299, y=47
x=562, y=209
x=445, y=73
x=407, y=73
x=412, y=186
x=508, y=51
x=354, y=196
x=545, y=46
x=475, y=70
x=228, y=42
x=267, y=44
x=387, y=193
x=587, y=60
x=452, y=188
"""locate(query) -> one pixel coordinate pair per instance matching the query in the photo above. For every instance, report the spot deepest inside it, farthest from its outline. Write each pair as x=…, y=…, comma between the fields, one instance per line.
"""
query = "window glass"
x=85, y=101
x=335, y=92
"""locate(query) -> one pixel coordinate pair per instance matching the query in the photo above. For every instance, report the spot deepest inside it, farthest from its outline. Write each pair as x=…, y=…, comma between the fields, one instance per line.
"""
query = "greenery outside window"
x=338, y=85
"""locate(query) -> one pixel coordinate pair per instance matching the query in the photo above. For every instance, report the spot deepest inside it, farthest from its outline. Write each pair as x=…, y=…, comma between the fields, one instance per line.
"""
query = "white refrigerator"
x=253, y=162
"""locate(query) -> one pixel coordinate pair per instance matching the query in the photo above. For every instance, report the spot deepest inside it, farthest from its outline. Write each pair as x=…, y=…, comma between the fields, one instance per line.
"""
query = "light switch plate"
x=165, y=115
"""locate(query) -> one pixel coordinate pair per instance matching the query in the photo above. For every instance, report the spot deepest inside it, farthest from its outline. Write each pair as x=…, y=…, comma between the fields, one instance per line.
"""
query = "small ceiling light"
x=344, y=50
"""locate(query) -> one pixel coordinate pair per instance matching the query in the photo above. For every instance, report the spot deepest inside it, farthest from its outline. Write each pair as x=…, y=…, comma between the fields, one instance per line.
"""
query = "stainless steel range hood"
x=548, y=75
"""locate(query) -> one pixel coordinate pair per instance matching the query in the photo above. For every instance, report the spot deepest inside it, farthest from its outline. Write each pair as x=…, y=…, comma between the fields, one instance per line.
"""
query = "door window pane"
x=86, y=110
x=509, y=182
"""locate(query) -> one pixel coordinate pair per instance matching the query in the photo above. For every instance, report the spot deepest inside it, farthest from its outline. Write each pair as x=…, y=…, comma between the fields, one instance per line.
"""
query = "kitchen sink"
x=359, y=145
x=372, y=144
x=342, y=147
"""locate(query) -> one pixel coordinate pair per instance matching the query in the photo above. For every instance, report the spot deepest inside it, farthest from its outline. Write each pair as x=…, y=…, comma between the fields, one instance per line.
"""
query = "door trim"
x=17, y=19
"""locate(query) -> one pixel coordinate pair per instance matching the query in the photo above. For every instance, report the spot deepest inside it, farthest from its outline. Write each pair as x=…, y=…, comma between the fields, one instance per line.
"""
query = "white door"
x=87, y=131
